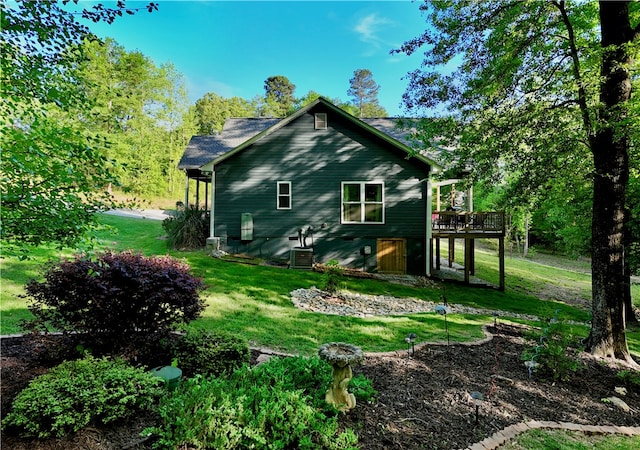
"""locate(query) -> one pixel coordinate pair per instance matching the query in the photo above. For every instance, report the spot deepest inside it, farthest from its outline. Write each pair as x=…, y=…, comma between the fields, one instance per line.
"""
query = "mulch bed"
x=424, y=398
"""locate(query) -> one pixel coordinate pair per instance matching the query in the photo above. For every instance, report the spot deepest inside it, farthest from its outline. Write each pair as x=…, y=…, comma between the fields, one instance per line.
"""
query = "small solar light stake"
x=444, y=293
x=442, y=310
x=477, y=399
x=410, y=340
x=495, y=319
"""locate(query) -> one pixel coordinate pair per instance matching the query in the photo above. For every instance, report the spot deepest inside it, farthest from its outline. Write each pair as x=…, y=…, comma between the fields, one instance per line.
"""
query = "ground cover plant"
x=80, y=392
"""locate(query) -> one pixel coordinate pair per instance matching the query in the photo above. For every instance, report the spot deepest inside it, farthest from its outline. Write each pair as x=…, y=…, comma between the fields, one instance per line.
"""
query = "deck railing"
x=461, y=222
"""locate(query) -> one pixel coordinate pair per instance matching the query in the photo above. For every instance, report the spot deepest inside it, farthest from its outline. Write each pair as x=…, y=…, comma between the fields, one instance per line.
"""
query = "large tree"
x=212, y=110
x=279, y=96
x=364, y=91
x=142, y=110
x=610, y=147
x=521, y=80
x=54, y=170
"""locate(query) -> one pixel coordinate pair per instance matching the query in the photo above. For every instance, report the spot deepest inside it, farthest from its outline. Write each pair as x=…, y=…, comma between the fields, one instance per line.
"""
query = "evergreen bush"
x=120, y=301
x=210, y=352
x=77, y=393
x=333, y=274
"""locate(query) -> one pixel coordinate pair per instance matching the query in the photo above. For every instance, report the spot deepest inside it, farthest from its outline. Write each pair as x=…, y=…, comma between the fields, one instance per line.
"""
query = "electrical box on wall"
x=366, y=250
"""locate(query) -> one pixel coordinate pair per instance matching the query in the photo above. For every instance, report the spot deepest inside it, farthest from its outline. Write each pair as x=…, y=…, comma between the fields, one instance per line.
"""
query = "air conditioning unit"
x=301, y=258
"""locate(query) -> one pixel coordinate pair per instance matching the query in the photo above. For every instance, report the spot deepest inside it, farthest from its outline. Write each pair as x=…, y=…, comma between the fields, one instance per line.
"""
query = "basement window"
x=284, y=195
x=320, y=121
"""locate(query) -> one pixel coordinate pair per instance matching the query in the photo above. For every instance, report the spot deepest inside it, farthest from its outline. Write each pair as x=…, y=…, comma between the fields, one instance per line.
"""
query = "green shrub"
x=246, y=411
x=210, y=352
x=332, y=276
x=82, y=392
x=118, y=300
x=555, y=353
x=188, y=228
x=631, y=378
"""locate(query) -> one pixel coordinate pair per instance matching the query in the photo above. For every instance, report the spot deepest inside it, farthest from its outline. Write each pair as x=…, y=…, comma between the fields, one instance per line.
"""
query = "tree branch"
x=582, y=95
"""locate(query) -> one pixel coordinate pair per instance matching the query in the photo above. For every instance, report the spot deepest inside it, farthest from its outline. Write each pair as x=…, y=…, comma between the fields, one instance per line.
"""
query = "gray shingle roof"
x=202, y=149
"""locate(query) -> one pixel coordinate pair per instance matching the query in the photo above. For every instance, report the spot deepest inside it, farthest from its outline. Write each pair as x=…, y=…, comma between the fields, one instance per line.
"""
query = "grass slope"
x=254, y=301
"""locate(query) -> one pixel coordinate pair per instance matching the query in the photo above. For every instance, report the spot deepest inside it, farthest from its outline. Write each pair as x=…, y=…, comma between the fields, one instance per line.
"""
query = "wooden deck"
x=468, y=224
x=452, y=225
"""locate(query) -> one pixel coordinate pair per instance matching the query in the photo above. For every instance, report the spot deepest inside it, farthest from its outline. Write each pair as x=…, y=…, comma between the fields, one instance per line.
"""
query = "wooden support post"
x=437, y=253
x=452, y=251
x=501, y=256
x=472, y=254
x=467, y=259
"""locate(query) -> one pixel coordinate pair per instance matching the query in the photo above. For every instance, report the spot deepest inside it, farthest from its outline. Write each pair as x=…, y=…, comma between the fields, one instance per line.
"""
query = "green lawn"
x=254, y=301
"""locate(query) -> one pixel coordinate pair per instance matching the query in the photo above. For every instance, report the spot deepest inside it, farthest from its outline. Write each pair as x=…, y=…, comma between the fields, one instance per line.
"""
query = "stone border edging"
x=501, y=437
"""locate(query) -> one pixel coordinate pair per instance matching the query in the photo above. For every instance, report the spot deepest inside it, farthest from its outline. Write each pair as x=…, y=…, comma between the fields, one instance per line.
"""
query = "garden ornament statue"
x=341, y=356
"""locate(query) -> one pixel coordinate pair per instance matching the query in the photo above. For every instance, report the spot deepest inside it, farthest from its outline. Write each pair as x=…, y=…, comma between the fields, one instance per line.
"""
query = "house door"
x=392, y=256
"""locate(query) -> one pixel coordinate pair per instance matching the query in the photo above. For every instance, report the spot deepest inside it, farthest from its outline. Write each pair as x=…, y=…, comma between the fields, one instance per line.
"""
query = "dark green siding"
x=316, y=162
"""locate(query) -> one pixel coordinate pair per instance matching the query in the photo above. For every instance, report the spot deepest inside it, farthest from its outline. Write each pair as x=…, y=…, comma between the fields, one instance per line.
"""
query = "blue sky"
x=231, y=47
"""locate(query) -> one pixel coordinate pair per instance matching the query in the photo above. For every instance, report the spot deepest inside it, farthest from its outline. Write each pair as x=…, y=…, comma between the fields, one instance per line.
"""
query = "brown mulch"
x=424, y=399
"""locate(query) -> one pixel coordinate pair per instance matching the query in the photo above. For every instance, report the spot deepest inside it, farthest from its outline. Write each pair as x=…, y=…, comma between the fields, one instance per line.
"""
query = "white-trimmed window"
x=284, y=195
x=363, y=202
x=320, y=121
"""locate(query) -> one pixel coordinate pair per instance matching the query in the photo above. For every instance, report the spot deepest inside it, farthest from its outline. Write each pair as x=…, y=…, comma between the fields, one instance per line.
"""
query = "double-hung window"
x=284, y=195
x=362, y=202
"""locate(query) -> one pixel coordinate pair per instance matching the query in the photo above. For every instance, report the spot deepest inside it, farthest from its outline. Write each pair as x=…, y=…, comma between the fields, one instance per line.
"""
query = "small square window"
x=321, y=121
x=284, y=195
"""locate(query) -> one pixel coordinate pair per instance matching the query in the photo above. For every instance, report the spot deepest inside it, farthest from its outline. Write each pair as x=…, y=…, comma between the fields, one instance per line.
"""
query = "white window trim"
x=362, y=203
x=278, y=194
x=320, y=121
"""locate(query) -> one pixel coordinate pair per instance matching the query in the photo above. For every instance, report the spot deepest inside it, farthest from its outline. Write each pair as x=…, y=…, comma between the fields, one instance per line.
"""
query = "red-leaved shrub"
x=116, y=300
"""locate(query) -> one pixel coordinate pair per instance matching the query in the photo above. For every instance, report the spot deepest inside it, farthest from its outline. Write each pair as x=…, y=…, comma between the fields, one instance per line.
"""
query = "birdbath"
x=341, y=356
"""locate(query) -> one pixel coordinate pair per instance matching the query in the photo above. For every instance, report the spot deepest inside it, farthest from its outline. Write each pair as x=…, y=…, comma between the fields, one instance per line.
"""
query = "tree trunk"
x=611, y=163
x=629, y=313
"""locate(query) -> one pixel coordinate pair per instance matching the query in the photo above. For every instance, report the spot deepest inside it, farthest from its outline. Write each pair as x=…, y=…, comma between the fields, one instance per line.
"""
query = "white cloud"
x=369, y=29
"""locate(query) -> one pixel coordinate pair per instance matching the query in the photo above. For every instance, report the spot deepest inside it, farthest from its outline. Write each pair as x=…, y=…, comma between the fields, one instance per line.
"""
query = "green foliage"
x=119, y=300
x=332, y=276
x=142, y=110
x=82, y=392
x=279, y=96
x=631, y=378
x=267, y=407
x=555, y=351
x=212, y=110
x=207, y=352
x=56, y=171
x=188, y=228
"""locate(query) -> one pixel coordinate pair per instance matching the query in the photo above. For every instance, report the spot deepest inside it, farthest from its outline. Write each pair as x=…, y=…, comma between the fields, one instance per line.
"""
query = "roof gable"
x=366, y=127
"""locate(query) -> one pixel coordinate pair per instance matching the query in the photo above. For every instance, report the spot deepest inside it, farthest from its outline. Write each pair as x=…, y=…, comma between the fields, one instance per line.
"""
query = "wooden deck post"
x=467, y=259
x=501, y=258
x=452, y=250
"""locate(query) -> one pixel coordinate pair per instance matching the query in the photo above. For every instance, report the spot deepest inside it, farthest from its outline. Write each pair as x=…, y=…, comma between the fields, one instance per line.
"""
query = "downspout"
x=212, y=220
x=427, y=243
